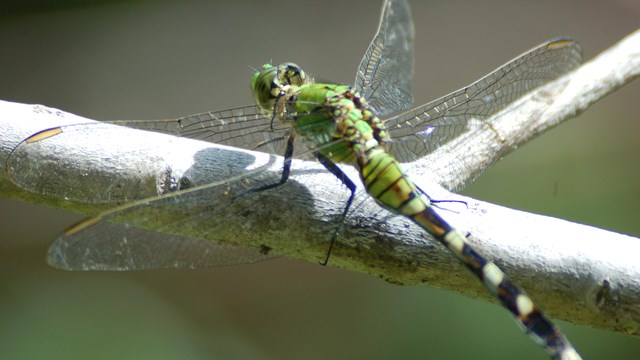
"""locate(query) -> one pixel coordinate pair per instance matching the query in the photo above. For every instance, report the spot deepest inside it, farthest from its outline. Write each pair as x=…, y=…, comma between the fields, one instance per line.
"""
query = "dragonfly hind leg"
x=335, y=170
x=329, y=165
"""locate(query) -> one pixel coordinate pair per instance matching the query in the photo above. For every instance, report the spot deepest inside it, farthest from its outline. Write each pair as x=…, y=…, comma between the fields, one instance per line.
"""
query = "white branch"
x=575, y=272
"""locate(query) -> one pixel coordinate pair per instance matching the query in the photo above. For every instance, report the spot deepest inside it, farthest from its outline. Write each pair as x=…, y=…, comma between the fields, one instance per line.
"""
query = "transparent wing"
x=385, y=73
x=150, y=233
x=418, y=132
x=32, y=169
x=120, y=239
x=108, y=246
x=244, y=127
x=42, y=164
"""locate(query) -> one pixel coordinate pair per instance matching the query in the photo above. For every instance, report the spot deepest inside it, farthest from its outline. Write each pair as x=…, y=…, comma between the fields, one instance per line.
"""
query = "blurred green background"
x=152, y=59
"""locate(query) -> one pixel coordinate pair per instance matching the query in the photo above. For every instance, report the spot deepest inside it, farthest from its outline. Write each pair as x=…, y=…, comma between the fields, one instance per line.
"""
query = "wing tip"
x=61, y=257
x=56, y=256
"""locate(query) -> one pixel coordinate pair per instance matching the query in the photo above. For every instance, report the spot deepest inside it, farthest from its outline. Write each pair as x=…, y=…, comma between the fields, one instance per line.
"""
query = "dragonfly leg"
x=435, y=202
x=274, y=115
x=335, y=170
x=286, y=168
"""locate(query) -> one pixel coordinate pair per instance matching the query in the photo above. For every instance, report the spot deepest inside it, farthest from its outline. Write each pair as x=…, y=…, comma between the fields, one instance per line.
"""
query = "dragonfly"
x=371, y=125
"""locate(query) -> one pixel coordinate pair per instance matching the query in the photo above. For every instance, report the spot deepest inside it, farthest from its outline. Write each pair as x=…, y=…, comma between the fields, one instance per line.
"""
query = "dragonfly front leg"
x=286, y=167
x=335, y=170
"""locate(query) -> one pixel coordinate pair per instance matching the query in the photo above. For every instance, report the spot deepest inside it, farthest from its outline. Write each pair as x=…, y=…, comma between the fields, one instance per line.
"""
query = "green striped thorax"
x=333, y=119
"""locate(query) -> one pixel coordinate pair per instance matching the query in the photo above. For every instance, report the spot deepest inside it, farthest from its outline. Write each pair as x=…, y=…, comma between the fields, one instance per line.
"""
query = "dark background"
x=145, y=59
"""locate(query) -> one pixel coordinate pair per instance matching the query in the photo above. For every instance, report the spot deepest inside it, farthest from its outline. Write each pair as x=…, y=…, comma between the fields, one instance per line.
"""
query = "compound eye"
x=262, y=85
x=292, y=74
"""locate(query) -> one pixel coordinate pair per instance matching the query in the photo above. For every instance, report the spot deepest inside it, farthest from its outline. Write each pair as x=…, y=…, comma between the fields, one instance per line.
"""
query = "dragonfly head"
x=272, y=82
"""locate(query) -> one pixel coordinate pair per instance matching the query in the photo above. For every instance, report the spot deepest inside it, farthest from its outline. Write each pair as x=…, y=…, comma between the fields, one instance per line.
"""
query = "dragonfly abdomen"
x=393, y=190
x=385, y=180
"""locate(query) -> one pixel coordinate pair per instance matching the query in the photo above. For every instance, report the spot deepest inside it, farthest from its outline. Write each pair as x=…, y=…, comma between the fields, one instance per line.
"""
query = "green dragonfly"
x=370, y=125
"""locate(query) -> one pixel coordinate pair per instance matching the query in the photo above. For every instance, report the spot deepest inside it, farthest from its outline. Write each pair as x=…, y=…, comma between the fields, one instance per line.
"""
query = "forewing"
x=244, y=127
x=419, y=131
x=385, y=74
